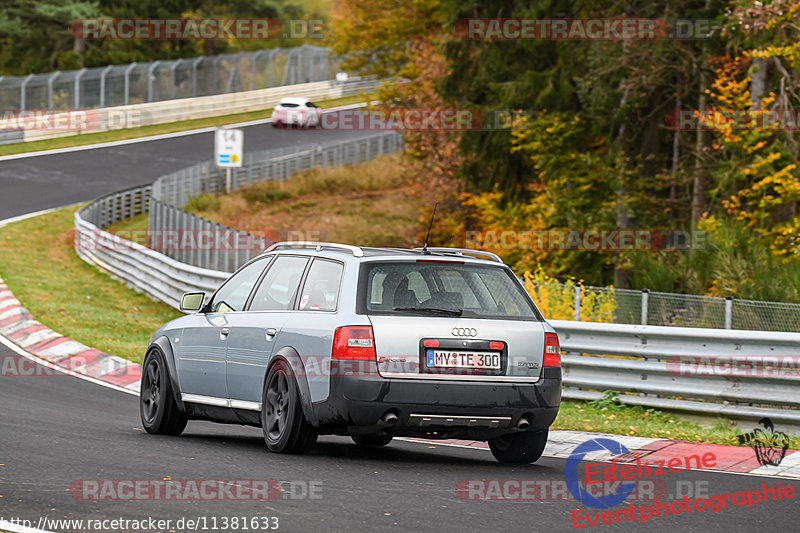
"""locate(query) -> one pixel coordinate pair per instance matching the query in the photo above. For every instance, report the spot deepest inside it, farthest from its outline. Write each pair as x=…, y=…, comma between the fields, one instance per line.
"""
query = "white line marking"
x=12, y=346
x=29, y=215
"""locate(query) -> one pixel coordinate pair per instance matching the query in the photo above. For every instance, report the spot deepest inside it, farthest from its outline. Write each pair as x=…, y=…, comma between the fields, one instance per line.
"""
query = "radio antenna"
x=425, y=246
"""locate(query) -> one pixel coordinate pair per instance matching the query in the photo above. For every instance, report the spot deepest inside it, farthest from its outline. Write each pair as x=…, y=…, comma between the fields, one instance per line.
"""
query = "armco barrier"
x=137, y=266
x=653, y=376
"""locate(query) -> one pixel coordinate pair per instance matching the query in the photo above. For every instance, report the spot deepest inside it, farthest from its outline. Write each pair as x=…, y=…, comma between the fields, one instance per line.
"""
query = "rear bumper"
x=458, y=409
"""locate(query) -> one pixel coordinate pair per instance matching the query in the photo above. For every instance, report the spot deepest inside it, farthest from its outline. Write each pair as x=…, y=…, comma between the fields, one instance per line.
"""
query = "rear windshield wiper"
x=432, y=310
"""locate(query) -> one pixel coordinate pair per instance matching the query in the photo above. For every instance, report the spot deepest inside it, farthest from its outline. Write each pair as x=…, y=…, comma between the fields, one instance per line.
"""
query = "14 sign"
x=228, y=147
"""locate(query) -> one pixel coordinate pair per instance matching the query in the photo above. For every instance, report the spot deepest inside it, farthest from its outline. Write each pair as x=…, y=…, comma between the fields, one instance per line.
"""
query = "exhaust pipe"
x=389, y=418
x=523, y=423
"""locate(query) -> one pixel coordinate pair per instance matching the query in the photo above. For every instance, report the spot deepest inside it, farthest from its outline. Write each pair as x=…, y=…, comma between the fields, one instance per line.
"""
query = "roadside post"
x=228, y=152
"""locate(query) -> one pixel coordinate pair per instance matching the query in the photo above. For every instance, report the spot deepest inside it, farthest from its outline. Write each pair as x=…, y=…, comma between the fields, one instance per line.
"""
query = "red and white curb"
x=730, y=459
x=63, y=353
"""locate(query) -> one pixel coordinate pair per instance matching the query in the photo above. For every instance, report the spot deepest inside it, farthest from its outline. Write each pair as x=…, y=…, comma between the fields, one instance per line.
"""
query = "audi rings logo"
x=465, y=332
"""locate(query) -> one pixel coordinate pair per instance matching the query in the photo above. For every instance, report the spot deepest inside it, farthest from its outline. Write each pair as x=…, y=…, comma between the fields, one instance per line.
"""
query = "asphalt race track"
x=57, y=430
x=41, y=182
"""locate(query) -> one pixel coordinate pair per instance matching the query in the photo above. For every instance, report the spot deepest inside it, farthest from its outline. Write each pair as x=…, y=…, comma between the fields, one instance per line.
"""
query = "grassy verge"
x=156, y=129
x=70, y=296
x=371, y=204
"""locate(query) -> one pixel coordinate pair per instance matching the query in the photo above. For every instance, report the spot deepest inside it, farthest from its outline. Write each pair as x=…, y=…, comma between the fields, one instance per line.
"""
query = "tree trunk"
x=620, y=272
x=700, y=184
x=78, y=47
x=758, y=84
x=676, y=154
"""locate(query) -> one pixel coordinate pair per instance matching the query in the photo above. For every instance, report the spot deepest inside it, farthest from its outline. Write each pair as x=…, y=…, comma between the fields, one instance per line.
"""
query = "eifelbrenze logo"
x=770, y=447
x=571, y=474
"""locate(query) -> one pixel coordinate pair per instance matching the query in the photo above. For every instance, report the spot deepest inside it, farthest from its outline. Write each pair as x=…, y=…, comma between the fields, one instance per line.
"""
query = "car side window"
x=321, y=289
x=232, y=296
x=279, y=287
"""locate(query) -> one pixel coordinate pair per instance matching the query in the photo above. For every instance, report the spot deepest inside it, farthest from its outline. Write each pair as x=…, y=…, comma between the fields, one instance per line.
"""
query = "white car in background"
x=296, y=111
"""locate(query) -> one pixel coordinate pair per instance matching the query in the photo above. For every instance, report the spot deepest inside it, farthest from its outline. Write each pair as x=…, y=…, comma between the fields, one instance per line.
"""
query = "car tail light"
x=353, y=343
x=494, y=345
x=430, y=343
x=552, y=350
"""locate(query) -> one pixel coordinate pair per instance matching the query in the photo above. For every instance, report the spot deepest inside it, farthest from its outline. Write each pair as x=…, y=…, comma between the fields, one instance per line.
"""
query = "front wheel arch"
x=163, y=344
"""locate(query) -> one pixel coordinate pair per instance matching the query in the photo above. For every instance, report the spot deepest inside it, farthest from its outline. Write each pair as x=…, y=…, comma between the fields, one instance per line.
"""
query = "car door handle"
x=224, y=332
x=270, y=333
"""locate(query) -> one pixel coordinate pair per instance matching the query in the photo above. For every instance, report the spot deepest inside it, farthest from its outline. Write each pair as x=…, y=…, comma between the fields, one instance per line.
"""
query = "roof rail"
x=464, y=251
x=355, y=250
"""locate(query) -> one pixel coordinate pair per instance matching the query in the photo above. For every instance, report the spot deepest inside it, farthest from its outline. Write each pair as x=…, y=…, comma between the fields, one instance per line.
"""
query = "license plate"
x=450, y=359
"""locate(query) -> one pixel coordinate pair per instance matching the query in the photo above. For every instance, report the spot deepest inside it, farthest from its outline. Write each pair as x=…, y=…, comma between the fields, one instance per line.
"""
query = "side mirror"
x=192, y=301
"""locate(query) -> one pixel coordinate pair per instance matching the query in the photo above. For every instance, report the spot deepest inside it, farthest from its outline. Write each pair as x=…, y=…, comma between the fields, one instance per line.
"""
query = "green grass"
x=70, y=296
x=608, y=416
x=156, y=129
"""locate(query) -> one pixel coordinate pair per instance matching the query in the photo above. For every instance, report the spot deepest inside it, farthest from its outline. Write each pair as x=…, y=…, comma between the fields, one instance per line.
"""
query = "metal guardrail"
x=139, y=267
x=734, y=374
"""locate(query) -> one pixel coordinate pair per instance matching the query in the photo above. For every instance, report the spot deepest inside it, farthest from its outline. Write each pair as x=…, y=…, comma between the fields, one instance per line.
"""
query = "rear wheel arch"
x=294, y=360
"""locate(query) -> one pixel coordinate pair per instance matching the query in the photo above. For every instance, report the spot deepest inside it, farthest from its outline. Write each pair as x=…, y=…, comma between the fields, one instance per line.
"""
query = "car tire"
x=520, y=448
x=157, y=407
x=372, y=440
x=283, y=423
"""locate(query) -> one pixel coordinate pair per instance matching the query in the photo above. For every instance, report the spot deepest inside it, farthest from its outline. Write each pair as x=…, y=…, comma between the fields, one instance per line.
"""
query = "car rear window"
x=289, y=104
x=442, y=288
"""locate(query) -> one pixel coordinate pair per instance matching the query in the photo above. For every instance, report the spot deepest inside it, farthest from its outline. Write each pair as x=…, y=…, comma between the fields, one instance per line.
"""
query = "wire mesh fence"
x=626, y=306
x=156, y=81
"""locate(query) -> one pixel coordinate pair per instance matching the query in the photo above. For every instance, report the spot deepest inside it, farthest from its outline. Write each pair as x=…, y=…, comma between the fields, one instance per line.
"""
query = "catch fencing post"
x=50, y=81
x=577, y=303
x=128, y=82
x=102, y=85
x=728, y=312
x=22, y=91
x=645, y=297
x=78, y=77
